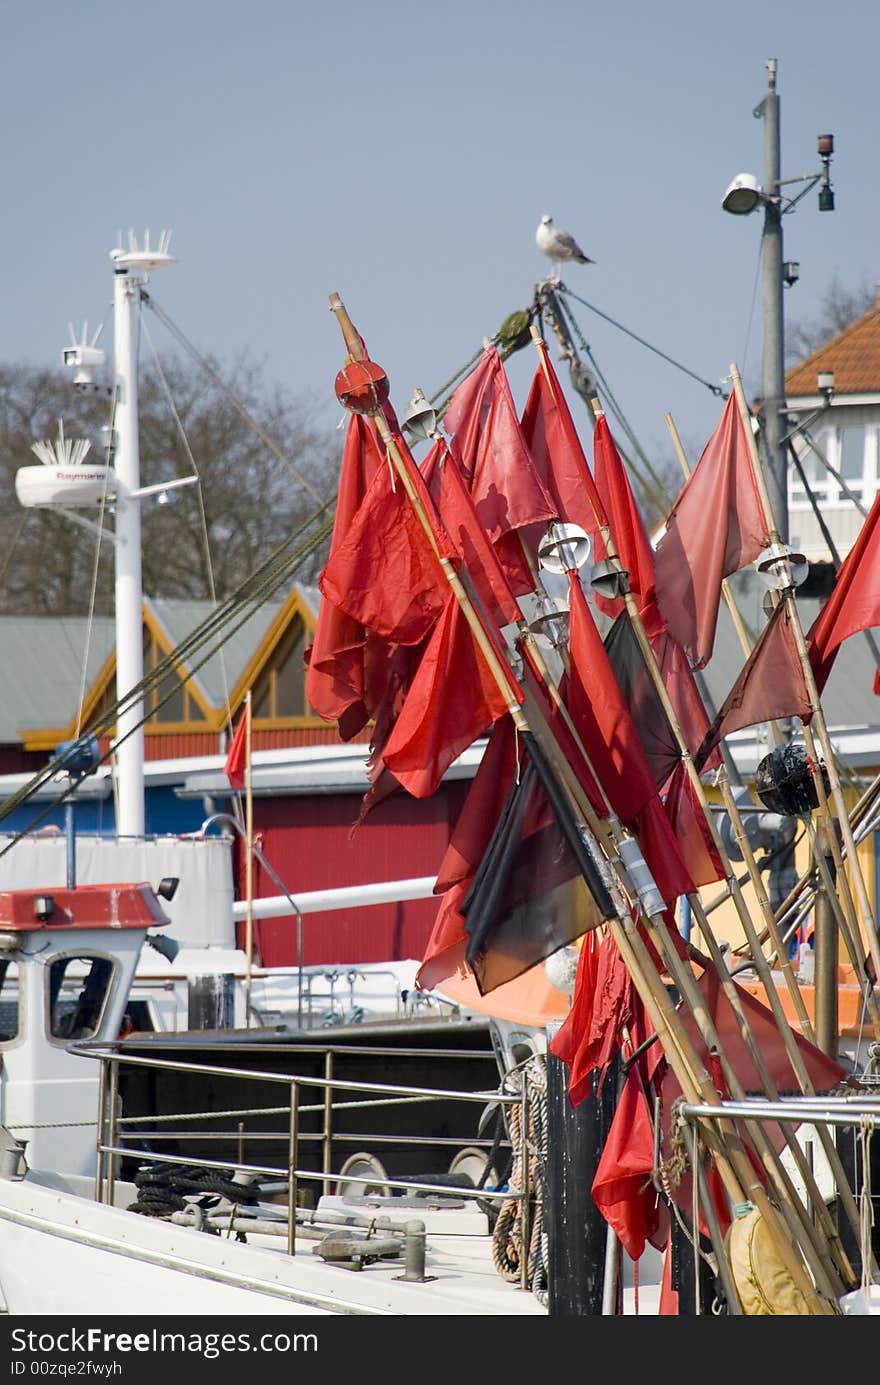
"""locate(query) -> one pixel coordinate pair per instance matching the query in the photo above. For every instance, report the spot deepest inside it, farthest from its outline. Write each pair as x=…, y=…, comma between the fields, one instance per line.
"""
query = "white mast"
x=129, y=268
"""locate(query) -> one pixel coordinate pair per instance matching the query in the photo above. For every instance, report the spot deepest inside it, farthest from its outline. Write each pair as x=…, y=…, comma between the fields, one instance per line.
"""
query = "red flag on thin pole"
x=854, y=603
x=716, y=527
x=237, y=754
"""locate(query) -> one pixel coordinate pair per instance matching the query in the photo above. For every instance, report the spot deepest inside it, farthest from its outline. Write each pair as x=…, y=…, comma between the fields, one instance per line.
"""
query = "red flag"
x=467, y=535
x=622, y=1188
x=854, y=603
x=627, y=529
x=453, y=699
x=236, y=756
x=691, y=831
x=495, y=461
x=771, y=685
x=385, y=573
x=601, y=1004
x=557, y=453
x=823, y=1072
x=715, y=528
x=489, y=446
x=601, y=716
x=343, y=663
x=481, y=809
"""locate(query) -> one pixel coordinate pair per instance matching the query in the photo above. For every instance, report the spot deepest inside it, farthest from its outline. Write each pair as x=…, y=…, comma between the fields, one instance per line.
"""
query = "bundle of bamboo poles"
x=801, y=1229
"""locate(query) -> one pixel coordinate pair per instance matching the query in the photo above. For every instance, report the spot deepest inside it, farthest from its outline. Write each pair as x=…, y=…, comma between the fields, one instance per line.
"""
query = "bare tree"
x=215, y=534
x=839, y=308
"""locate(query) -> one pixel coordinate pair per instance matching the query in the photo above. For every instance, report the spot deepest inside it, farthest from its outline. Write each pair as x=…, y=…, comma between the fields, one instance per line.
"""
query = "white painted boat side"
x=65, y=1255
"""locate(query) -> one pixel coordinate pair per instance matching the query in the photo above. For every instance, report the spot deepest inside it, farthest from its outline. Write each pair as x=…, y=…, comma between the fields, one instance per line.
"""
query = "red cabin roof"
x=87, y=906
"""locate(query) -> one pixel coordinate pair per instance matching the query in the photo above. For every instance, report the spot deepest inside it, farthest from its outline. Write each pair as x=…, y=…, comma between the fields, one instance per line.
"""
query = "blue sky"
x=402, y=156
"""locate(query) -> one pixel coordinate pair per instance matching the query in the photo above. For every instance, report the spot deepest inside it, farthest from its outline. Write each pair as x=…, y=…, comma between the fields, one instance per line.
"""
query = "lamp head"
x=825, y=384
x=563, y=547
x=419, y=418
x=743, y=195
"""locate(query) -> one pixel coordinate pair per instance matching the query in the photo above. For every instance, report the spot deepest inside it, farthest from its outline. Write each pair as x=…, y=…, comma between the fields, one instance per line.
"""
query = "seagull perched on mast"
x=558, y=245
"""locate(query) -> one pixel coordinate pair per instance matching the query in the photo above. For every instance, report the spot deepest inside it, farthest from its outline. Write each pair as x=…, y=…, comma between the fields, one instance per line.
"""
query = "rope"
x=162, y=1191
x=507, y=1237
x=866, y=1205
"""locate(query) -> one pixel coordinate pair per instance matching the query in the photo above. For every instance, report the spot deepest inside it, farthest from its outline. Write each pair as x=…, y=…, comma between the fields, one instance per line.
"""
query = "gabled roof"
x=42, y=680
x=41, y=668
x=853, y=356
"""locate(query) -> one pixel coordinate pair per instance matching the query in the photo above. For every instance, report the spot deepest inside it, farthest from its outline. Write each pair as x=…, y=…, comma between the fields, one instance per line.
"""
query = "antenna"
x=63, y=451
x=143, y=257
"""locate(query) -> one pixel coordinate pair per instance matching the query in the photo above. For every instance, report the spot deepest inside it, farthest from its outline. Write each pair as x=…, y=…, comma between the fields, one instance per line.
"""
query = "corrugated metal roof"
x=41, y=668
x=223, y=669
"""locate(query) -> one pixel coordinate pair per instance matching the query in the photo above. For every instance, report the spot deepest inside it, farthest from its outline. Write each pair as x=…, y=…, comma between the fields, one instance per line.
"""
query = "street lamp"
x=744, y=195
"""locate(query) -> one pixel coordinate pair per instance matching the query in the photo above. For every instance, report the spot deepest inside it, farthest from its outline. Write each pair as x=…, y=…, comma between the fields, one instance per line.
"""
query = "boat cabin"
x=67, y=961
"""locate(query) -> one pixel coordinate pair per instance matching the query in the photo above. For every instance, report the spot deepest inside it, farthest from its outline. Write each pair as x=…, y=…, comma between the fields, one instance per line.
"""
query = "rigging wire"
x=252, y=593
x=715, y=389
x=233, y=398
x=655, y=488
x=209, y=567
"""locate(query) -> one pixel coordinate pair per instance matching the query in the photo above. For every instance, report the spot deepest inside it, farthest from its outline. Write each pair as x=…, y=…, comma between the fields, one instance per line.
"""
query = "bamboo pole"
x=248, y=861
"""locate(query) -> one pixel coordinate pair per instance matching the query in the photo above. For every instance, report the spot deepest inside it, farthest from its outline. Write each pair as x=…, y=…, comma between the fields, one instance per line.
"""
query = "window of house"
x=10, y=1001
x=816, y=474
x=851, y=459
x=280, y=691
x=172, y=700
x=78, y=991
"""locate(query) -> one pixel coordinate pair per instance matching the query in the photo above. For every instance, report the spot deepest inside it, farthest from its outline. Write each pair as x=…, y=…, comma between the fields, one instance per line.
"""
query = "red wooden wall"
x=308, y=841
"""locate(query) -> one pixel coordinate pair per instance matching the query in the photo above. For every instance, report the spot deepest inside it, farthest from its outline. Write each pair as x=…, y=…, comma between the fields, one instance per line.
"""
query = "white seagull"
x=558, y=245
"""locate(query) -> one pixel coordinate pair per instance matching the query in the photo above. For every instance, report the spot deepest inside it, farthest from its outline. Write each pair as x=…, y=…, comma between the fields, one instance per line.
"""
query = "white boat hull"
x=64, y=1255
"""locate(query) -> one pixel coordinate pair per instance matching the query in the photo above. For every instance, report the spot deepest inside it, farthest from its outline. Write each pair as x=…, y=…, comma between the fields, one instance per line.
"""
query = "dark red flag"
x=453, y=698
x=771, y=685
x=854, y=603
x=715, y=528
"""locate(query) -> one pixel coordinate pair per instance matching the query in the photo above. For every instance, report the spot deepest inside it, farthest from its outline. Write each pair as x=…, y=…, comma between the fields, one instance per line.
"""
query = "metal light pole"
x=773, y=357
x=744, y=195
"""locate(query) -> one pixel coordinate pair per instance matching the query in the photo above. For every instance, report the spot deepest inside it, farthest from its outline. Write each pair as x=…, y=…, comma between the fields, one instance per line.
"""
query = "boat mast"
x=129, y=269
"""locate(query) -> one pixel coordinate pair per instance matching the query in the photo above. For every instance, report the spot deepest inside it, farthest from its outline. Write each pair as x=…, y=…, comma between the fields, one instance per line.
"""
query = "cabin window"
x=10, y=1001
x=78, y=991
